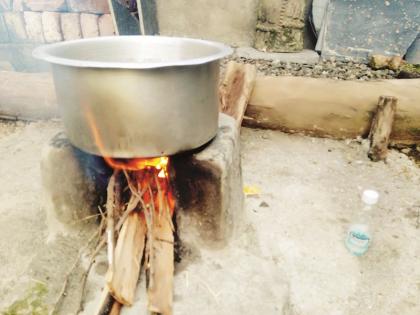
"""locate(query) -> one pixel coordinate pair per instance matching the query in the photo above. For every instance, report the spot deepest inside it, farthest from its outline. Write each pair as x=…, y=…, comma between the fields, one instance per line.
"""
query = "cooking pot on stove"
x=136, y=96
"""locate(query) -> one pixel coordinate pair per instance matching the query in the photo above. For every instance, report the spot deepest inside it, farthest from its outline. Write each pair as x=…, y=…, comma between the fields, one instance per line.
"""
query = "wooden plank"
x=382, y=127
x=236, y=88
x=27, y=95
x=122, y=282
x=125, y=23
x=332, y=108
x=161, y=271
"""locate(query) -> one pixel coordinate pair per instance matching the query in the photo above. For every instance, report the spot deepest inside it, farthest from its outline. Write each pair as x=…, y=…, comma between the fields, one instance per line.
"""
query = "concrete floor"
x=312, y=187
x=288, y=255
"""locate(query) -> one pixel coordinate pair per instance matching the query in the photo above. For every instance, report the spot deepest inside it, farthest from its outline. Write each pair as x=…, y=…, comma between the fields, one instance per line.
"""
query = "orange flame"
x=148, y=172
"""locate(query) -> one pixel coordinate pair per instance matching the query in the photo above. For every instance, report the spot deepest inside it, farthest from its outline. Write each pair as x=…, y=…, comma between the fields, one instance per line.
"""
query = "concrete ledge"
x=332, y=108
x=306, y=56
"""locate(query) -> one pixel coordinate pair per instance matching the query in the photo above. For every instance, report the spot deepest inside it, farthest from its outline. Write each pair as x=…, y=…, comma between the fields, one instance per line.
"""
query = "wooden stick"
x=76, y=263
x=161, y=273
x=110, y=205
x=236, y=88
x=381, y=128
x=115, y=309
x=122, y=282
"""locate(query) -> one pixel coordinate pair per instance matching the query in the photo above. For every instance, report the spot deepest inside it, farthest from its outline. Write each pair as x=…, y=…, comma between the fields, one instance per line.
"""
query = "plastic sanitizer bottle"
x=359, y=236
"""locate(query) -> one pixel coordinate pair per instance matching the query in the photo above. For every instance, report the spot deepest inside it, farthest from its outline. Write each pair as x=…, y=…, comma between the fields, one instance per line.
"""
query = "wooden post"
x=122, y=282
x=381, y=128
x=236, y=88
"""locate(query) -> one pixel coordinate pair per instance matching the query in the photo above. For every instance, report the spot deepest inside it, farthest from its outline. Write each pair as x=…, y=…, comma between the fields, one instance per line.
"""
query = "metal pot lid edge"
x=42, y=53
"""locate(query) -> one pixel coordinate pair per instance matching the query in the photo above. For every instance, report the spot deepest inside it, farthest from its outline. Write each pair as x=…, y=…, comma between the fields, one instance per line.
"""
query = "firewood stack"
x=139, y=233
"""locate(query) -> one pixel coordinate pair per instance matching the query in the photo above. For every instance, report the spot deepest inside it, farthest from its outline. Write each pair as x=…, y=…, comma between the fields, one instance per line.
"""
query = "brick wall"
x=24, y=24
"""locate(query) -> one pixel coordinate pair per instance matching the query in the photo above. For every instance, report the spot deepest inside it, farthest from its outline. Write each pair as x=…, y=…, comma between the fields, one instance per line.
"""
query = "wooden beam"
x=236, y=88
x=382, y=127
x=332, y=108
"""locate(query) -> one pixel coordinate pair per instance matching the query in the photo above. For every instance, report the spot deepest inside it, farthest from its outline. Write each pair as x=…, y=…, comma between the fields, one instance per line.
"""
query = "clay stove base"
x=208, y=185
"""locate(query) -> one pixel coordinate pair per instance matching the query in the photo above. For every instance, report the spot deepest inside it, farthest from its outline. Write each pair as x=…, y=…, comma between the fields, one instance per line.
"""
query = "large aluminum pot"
x=137, y=96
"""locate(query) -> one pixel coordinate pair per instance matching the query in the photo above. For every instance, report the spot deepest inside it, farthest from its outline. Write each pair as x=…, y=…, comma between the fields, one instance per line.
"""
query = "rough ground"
x=32, y=271
x=288, y=255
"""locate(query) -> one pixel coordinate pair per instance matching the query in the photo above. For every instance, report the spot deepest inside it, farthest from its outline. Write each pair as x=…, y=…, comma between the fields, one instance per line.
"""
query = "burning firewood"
x=122, y=281
x=161, y=266
x=147, y=215
x=115, y=309
x=110, y=205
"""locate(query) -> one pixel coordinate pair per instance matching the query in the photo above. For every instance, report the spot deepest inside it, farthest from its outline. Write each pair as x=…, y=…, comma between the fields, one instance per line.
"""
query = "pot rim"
x=46, y=53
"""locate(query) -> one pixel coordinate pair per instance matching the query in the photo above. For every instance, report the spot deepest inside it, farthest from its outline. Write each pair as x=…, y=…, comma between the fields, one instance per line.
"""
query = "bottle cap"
x=370, y=196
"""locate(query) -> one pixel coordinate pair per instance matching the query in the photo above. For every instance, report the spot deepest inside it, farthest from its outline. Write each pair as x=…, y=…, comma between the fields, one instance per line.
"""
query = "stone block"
x=5, y=5
x=305, y=56
x=51, y=27
x=89, y=6
x=70, y=26
x=280, y=26
x=106, y=25
x=89, y=25
x=15, y=26
x=209, y=189
x=4, y=35
x=33, y=22
x=357, y=30
x=45, y=5
x=68, y=194
x=385, y=62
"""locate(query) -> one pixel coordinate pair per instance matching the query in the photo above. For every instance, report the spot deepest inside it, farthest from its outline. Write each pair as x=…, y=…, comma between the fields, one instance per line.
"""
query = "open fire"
x=139, y=231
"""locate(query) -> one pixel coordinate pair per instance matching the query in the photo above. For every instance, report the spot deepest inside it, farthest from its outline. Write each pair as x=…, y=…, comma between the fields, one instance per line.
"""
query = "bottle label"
x=359, y=239
x=357, y=242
